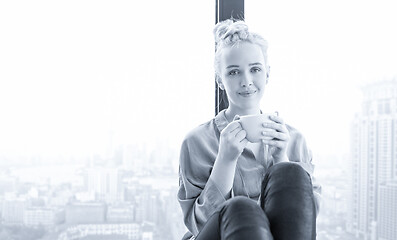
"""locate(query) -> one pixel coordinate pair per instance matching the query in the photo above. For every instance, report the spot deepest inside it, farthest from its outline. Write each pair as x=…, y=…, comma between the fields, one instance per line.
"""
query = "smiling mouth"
x=247, y=93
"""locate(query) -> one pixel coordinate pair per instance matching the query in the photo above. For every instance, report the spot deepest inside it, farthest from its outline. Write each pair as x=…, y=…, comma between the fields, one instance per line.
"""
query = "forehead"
x=242, y=54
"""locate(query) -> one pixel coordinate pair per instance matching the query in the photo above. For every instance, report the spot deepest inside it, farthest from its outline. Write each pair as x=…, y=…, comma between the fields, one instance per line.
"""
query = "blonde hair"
x=230, y=33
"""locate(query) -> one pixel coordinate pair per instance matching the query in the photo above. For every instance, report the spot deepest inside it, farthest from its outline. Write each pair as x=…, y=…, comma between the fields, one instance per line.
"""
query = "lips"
x=247, y=93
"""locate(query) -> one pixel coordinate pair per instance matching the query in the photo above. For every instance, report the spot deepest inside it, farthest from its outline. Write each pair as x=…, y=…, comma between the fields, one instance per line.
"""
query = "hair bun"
x=230, y=31
x=221, y=28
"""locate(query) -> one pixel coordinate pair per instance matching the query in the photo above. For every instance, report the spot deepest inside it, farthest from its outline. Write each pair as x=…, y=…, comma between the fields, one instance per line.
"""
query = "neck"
x=232, y=111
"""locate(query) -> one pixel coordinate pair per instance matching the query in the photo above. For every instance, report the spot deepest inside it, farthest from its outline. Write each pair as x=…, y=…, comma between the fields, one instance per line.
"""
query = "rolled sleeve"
x=198, y=196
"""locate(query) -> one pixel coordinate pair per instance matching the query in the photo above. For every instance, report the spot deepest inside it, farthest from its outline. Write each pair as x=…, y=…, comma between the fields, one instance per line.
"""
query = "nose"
x=246, y=80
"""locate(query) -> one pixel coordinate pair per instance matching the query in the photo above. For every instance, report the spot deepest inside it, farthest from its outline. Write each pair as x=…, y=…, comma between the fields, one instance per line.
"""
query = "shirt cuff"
x=212, y=195
x=317, y=201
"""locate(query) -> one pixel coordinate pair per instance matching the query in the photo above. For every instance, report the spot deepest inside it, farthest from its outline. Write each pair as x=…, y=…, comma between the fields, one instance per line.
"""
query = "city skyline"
x=97, y=96
x=99, y=201
x=373, y=200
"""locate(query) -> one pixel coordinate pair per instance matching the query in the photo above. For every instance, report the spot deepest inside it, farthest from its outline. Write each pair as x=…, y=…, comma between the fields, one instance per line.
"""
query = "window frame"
x=225, y=9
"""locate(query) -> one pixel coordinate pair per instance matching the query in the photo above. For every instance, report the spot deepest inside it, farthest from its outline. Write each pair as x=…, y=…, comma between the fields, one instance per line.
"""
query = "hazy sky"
x=75, y=74
x=321, y=53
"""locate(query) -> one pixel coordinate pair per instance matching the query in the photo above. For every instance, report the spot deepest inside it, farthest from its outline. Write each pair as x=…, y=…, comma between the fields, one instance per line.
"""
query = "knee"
x=242, y=218
x=286, y=176
x=289, y=171
x=239, y=205
x=287, y=167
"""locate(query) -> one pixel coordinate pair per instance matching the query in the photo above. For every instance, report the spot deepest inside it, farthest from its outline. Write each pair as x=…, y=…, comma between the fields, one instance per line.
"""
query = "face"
x=243, y=75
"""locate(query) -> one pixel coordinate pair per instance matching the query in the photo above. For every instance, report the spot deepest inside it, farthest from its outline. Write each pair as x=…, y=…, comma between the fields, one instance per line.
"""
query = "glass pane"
x=332, y=63
x=95, y=99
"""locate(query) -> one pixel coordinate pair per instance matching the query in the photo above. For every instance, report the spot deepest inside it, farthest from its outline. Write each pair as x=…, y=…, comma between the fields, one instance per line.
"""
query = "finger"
x=241, y=135
x=275, y=143
x=276, y=126
x=277, y=119
x=244, y=142
x=236, y=130
x=233, y=126
x=237, y=117
x=276, y=135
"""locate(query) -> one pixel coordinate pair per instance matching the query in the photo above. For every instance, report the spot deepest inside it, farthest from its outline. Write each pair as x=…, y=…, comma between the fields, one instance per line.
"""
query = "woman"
x=231, y=188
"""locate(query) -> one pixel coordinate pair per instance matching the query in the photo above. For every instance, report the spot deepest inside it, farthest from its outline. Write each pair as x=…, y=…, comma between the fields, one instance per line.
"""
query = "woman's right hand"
x=232, y=141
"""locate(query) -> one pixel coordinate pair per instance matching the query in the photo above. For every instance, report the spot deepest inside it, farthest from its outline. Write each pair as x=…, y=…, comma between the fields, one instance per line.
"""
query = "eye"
x=234, y=72
x=256, y=69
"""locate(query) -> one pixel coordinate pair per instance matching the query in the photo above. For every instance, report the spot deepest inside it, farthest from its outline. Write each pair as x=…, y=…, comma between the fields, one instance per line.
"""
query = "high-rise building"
x=7, y=184
x=105, y=183
x=44, y=216
x=374, y=159
x=85, y=213
x=131, y=231
x=120, y=213
x=148, y=206
x=13, y=210
x=60, y=198
x=387, y=220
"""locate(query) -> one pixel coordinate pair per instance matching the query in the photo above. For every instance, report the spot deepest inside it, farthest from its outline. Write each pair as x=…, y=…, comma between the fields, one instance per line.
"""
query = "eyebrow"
x=232, y=66
x=251, y=64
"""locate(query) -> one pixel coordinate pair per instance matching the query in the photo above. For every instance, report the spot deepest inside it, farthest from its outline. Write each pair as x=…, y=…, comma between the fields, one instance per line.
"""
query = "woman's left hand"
x=280, y=138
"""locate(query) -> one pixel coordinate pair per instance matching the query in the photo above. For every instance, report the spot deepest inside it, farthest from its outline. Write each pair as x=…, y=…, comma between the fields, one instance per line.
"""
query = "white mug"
x=253, y=125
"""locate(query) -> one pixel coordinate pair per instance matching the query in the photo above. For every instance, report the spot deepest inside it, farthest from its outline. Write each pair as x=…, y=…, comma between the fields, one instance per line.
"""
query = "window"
x=318, y=53
x=96, y=97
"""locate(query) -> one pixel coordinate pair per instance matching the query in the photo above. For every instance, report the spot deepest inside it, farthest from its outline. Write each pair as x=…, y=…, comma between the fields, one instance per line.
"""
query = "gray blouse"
x=200, y=197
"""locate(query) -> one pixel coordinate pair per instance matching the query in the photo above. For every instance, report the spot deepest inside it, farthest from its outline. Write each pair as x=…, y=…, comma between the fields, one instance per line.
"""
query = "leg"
x=210, y=230
x=288, y=201
x=239, y=218
x=242, y=218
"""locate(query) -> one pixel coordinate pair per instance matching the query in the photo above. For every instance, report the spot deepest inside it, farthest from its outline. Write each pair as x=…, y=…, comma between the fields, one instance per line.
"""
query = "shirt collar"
x=221, y=120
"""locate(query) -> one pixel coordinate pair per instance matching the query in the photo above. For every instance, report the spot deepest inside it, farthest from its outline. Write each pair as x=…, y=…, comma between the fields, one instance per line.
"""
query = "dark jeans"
x=286, y=211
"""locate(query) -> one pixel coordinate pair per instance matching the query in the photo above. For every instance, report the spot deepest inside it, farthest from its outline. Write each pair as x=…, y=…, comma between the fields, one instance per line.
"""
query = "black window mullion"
x=225, y=9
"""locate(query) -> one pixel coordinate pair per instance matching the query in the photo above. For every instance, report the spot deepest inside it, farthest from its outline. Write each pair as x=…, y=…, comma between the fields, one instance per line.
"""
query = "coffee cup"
x=253, y=125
